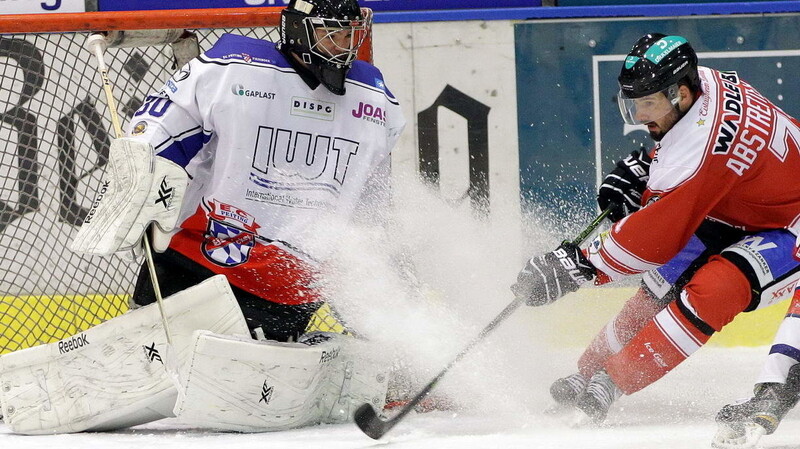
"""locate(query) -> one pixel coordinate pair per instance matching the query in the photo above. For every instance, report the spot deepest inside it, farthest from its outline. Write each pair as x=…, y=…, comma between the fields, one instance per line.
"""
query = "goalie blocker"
x=139, y=188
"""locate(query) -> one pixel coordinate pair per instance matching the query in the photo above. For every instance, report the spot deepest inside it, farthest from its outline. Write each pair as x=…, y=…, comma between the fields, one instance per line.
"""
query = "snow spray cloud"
x=422, y=285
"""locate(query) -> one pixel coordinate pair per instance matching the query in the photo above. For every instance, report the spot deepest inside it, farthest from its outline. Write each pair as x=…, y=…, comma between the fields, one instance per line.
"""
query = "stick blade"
x=370, y=423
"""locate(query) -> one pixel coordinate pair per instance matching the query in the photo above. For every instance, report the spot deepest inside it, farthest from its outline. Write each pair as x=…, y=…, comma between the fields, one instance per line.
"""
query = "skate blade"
x=729, y=438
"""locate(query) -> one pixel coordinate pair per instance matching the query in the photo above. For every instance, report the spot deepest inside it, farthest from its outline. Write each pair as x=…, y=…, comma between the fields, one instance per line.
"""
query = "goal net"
x=55, y=132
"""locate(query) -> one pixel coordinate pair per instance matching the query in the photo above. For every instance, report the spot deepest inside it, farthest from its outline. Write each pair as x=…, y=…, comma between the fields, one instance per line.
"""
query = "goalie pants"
x=177, y=272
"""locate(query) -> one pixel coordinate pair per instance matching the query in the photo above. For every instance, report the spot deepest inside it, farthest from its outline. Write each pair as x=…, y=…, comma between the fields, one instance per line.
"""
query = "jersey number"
x=154, y=105
x=785, y=138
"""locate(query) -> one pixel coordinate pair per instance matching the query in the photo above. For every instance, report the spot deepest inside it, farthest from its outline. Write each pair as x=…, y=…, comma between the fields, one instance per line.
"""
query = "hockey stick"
x=96, y=43
x=375, y=427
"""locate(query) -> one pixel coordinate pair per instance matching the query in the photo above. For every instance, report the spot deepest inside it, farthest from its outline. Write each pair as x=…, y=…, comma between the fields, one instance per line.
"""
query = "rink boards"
x=598, y=305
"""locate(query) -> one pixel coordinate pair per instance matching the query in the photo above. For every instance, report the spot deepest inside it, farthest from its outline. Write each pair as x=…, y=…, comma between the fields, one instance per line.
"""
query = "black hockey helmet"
x=326, y=35
x=656, y=63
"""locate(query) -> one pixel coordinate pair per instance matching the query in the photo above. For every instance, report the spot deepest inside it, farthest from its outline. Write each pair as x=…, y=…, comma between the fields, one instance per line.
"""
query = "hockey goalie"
x=248, y=149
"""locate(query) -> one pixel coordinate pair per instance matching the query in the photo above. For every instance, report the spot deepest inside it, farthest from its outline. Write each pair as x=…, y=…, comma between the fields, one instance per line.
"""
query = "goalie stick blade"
x=367, y=418
x=370, y=423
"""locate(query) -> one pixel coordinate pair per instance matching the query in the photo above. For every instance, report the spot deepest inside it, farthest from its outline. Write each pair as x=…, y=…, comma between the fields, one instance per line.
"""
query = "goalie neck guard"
x=326, y=36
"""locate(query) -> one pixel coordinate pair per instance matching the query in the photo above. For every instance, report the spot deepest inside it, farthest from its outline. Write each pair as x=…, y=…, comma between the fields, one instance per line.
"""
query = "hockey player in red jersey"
x=716, y=235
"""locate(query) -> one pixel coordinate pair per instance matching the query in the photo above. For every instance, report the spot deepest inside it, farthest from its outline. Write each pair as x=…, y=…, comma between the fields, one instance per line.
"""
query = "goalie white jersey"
x=269, y=159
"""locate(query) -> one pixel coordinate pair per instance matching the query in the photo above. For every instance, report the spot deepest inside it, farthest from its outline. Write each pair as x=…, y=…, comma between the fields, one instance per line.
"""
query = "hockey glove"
x=550, y=276
x=139, y=188
x=625, y=185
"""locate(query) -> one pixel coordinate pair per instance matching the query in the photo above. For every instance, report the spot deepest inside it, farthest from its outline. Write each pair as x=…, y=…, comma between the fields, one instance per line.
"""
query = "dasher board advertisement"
x=41, y=6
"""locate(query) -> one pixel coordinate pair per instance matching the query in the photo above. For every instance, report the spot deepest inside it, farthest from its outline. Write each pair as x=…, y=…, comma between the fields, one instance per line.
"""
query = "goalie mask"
x=326, y=35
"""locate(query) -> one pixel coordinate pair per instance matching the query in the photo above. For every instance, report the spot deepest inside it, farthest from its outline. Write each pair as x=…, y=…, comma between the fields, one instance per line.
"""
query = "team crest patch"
x=139, y=129
x=226, y=245
x=230, y=236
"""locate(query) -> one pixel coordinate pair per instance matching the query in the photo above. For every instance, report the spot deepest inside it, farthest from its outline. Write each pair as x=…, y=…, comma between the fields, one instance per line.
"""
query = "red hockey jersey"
x=734, y=157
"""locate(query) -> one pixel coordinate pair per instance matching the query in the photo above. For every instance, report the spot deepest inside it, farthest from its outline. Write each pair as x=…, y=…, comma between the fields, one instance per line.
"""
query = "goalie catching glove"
x=550, y=276
x=139, y=188
x=625, y=184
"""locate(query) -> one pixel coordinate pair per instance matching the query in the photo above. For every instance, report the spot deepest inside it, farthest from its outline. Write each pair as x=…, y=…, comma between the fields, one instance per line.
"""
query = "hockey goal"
x=55, y=132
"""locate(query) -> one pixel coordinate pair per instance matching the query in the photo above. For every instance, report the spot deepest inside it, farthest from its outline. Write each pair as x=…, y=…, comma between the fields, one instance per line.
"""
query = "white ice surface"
x=676, y=413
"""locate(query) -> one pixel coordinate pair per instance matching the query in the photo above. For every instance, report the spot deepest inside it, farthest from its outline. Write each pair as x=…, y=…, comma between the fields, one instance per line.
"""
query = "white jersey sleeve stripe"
x=617, y=262
x=677, y=334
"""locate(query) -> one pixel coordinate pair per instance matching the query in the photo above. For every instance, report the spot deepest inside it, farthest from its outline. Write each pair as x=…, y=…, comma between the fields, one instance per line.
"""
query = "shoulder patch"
x=366, y=73
x=246, y=49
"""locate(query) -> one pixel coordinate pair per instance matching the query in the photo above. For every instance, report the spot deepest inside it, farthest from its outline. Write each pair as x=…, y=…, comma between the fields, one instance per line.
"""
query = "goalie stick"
x=97, y=44
x=375, y=427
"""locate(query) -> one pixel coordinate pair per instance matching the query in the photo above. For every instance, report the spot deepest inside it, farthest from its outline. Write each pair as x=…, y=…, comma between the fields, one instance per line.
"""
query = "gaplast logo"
x=139, y=129
x=241, y=91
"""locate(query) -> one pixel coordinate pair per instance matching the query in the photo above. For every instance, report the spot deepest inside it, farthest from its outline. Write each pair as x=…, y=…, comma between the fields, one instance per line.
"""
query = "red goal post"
x=140, y=20
x=55, y=132
x=212, y=18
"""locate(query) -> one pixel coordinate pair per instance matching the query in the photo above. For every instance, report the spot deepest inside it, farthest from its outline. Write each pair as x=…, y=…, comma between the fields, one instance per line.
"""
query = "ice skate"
x=595, y=401
x=743, y=423
x=565, y=391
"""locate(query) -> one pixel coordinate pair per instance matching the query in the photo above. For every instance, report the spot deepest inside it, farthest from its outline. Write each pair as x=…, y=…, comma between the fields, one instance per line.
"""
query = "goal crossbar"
x=139, y=20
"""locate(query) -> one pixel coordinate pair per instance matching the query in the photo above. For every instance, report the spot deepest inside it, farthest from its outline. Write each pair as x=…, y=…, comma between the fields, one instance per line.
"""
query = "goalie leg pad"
x=243, y=385
x=112, y=375
x=358, y=380
x=138, y=188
